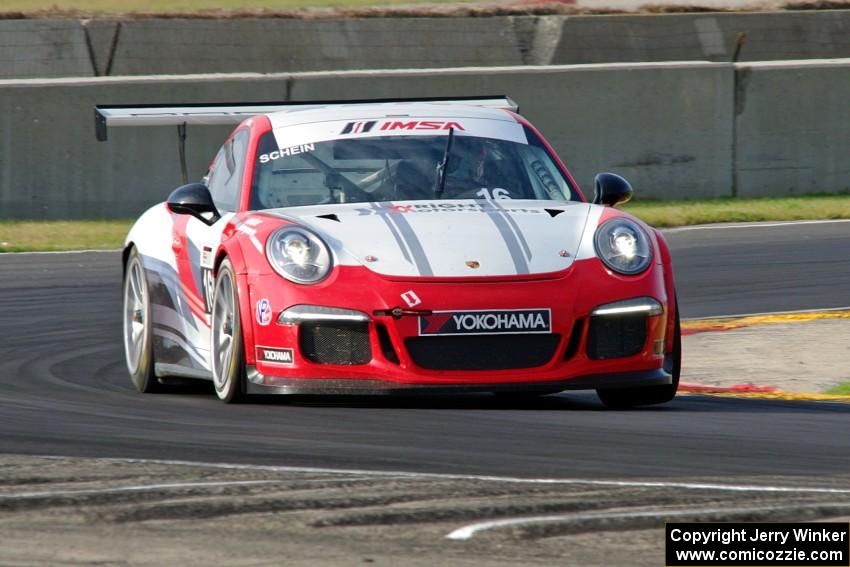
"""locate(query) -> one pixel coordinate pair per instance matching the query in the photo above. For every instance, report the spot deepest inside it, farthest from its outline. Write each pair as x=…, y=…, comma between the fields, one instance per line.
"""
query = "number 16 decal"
x=497, y=193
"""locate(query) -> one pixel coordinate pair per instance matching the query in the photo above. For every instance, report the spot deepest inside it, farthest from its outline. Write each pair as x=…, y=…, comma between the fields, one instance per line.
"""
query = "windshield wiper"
x=442, y=167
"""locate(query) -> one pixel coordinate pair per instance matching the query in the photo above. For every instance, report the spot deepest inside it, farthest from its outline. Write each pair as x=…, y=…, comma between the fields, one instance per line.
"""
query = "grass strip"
x=668, y=214
x=840, y=390
x=55, y=9
x=20, y=236
x=49, y=236
x=198, y=7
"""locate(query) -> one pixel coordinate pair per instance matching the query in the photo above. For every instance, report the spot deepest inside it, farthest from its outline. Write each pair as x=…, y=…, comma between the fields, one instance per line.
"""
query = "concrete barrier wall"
x=192, y=46
x=676, y=130
x=793, y=128
x=45, y=48
x=51, y=166
x=37, y=48
x=708, y=36
x=667, y=127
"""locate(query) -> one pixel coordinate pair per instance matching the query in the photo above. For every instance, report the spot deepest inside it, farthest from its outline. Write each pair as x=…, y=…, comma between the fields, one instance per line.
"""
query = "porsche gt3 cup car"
x=388, y=247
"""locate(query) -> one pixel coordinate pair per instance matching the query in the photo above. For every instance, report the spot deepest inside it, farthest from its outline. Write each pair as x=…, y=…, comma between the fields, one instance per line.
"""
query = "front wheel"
x=624, y=398
x=138, y=335
x=227, y=351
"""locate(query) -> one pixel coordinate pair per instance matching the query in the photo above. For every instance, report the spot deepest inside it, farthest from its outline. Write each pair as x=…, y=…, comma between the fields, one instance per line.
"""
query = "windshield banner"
x=299, y=135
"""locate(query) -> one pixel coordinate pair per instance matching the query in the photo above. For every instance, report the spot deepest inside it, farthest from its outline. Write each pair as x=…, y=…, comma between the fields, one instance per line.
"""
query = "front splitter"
x=335, y=386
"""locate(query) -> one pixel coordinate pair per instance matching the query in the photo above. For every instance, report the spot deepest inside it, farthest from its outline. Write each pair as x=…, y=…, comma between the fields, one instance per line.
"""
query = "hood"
x=449, y=238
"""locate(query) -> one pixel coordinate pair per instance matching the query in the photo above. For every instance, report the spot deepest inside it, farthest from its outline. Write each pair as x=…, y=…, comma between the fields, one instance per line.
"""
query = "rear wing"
x=205, y=114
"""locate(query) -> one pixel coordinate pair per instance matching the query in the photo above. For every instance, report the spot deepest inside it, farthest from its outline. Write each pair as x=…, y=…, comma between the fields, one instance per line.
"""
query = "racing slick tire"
x=138, y=335
x=227, y=350
x=624, y=398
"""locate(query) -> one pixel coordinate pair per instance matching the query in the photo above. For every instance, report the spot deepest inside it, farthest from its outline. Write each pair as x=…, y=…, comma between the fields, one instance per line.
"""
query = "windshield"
x=402, y=168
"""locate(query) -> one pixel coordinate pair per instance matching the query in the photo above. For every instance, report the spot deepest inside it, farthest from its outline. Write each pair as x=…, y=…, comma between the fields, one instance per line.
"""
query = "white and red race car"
x=389, y=247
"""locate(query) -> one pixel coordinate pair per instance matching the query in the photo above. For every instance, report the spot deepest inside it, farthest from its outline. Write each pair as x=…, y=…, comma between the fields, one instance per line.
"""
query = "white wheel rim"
x=135, y=316
x=222, y=331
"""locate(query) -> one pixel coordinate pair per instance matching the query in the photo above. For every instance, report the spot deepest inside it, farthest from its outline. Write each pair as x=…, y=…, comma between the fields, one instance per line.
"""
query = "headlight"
x=298, y=255
x=623, y=246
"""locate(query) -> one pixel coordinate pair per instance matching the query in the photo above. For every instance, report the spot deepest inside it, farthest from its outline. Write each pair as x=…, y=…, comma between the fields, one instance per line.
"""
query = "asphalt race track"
x=759, y=268
x=65, y=390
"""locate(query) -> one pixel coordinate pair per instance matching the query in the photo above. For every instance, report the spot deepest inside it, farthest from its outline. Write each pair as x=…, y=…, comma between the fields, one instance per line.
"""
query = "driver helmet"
x=471, y=159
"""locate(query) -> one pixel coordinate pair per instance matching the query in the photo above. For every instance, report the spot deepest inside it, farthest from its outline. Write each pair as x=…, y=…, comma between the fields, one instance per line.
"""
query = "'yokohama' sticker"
x=488, y=322
x=275, y=355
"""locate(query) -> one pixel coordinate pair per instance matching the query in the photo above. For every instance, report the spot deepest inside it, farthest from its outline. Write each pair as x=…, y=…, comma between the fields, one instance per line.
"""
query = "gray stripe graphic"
x=394, y=232
x=409, y=236
x=499, y=219
x=172, y=330
x=517, y=232
x=171, y=282
x=196, y=358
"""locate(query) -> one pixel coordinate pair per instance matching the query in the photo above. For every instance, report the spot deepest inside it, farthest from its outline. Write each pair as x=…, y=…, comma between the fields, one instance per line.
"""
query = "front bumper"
x=391, y=366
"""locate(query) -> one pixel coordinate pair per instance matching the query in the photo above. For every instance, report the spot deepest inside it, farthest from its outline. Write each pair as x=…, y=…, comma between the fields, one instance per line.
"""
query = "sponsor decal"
x=275, y=355
x=207, y=279
x=207, y=257
x=421, y=125
x=358, y=127
x=411, y=298
x=438, y=207
x=264, y=312
x=286, y=152
x=486, y=322
x=394, y=125
x=208, y=285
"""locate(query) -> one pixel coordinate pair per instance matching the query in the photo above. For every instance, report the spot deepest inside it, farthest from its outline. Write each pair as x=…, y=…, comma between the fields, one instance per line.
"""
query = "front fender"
x=669, y=285
x=231, y=248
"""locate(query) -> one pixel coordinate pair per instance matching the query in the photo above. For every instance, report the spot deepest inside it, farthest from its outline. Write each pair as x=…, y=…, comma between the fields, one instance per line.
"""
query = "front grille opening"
x=387, y=348
x=575, y=339
x=335, y=343
x=482, y=352
x=616, y=336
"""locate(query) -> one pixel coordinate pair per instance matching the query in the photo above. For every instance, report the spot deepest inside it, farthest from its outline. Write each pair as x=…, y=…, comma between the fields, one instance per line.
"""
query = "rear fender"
x=151, y=235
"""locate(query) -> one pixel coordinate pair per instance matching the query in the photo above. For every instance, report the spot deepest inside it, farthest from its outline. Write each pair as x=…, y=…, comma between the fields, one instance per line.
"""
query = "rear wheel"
x=623, y=398
x=138, y=347
x=227, y=350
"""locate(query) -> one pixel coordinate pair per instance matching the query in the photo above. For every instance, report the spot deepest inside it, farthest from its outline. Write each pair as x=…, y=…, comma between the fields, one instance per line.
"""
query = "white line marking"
x=467, y=532
x=487, y=478
x=752, y=225
x=139, y=488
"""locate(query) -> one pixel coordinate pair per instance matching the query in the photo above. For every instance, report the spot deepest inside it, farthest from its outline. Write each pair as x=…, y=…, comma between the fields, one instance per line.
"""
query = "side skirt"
x=163, y=370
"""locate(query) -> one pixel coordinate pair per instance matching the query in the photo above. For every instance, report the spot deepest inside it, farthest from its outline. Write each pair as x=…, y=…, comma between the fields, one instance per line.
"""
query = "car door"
x=195, y=243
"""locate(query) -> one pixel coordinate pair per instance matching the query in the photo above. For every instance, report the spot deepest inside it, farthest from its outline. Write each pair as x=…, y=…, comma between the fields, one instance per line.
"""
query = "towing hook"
x=398, y=312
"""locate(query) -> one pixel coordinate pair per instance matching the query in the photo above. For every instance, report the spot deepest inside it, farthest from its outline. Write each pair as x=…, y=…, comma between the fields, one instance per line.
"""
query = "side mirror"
x=194, y=199
x=611, y=190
